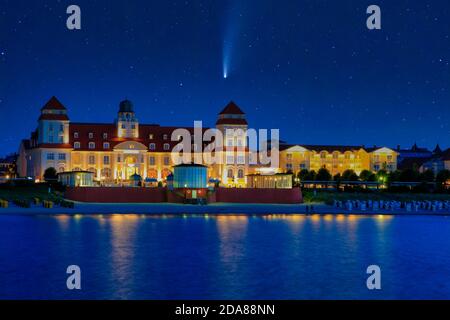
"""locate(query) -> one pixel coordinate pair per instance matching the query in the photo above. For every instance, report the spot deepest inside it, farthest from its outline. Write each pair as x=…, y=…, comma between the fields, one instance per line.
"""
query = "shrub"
x=67, y=204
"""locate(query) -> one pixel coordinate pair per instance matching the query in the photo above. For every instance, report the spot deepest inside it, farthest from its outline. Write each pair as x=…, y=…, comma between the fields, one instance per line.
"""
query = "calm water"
x=224, y=257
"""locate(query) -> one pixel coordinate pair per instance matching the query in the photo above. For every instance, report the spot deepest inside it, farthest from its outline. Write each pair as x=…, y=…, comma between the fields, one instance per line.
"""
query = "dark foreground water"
x=224, y=257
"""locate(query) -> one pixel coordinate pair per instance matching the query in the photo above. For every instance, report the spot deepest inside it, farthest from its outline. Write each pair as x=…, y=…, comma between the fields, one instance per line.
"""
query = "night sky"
x=308, y=67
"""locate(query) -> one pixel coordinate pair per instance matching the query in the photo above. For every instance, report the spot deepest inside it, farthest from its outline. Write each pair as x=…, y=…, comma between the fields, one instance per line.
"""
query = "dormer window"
x=91, y=145
x=165, y=136
x=91, y=135
x=76, y=145
x=105, y=136
x=105, y=145
x=166, y=146
x=150, y=136
x=75, y=135
x=152, y=146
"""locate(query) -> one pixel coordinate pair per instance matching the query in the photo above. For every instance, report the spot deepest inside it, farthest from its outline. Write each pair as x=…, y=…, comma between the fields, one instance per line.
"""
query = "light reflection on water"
x=224, y=256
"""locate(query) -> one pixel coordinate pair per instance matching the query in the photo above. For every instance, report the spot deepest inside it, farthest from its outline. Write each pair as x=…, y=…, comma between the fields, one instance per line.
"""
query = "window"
x=76, y=145
x=61, y=128
x=91, y=135
x=152, y=146
x=152, y=161
x=377, y=158
x=105, y=159
x=150, y=136
x=105, y=135
x=376, y=167
x=166, y=146
x=289, y=156
x=240, y=174
x=230, y=159
x=229, y=143
x=133, y=126
x=50, y=156
x=166, y=161
x=62, y=156
x=239, y=142
x=288, y=166
x=302, y=166
x=123, y=125
x=323, y=155
x=119, y=158
x=230, y=173
x=389, y=157
x=240, y=160
x=91, y=159
x=105, y=145
x=75, y=135
x=165, y=137
x=142, y=158
x=335, y=155
x=91, y=145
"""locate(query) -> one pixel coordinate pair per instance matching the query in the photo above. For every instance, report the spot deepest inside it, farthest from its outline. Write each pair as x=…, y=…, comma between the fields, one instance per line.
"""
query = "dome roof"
x=126, y=106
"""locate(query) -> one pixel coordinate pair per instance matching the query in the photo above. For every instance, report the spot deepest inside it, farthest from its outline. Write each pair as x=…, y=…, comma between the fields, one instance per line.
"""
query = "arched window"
x=152, y=146
x=76, y=145
x=93, y=171
x=106, y=173
x=77, y=169
x=105, y=145
x=230, y=173
x=166, y=146
x=91, y=145
x=240, y=173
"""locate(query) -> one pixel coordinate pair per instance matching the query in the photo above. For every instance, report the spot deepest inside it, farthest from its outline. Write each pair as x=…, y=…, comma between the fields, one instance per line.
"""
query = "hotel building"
x=116, y=151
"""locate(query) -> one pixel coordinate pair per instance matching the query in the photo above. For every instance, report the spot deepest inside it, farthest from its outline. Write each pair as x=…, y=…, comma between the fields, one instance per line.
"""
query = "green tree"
x=323, y=175
x=427, y=176
x=50, y=174
x=349, y=175
x=303, y=174
x=443, y=176
x=409, y=175
x=311, y=175
x=366, y=175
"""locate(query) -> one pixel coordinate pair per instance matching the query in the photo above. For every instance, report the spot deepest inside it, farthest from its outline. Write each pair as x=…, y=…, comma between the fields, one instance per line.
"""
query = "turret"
x=127, y=124
x=53, y=125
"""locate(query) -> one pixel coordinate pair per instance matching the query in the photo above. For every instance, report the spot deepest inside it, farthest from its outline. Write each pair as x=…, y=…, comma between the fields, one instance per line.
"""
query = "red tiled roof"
x=231, y=108
x=50, y=116
x=55, y=145
x=53, y=104
x=232, y=121
x=158, y=133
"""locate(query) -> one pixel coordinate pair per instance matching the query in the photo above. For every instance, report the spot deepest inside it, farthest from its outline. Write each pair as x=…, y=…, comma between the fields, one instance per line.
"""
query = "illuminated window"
x=76, y=145
x=150, y=136
x=105, y=145
x=230, y=173
x=75, y=135
x=91, y=145
x=152, y=146
x=105, y=159
x=91, y=135
x=165, y=137
x=240, y=173
x=105, y=135
x=166, y=146
x=91, y=159
x=323, y=155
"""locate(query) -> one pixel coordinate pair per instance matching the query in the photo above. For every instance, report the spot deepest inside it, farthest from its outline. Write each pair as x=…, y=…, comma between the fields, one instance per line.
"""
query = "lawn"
x=28, y=193
x=328, y=196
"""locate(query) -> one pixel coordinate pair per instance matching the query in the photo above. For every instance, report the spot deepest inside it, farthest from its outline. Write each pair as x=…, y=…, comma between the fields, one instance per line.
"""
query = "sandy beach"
x=217, y=208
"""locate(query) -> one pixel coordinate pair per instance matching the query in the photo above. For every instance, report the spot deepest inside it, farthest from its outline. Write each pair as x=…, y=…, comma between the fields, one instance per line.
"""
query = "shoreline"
x=217, y=209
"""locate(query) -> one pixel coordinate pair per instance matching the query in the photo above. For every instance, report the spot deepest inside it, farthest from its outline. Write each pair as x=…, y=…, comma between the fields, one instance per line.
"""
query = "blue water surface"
x=224, y=256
